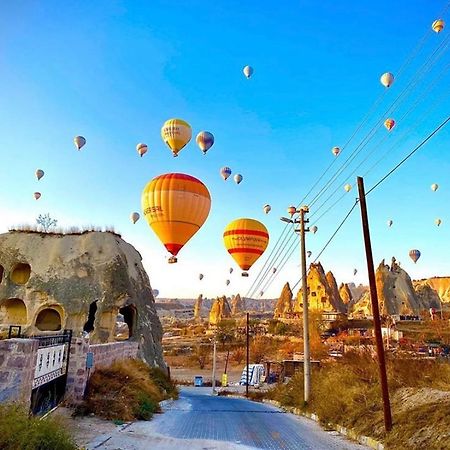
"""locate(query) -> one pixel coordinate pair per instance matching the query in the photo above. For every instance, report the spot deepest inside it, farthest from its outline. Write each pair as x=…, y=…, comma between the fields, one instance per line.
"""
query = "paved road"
x=204, y=422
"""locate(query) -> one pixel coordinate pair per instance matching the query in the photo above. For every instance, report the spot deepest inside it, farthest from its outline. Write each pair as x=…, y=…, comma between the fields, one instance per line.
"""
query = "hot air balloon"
x=387, y=79
x=155, y=292
x=335, y=151
x=390, y=222
x=434, y=187
x=227, y=282
x=348, y=187
x=79, y=142
x=246, y=240
x=200, y=277
x=355, y=271
x=205, y=141
x=225, y=172
x=231, y=270
x=274, y=270
x=135, y=217
x=261, y=293
x=238, y=178
x=142, y=149
x=37, y=195
x=267, y=208
x=175, y=205
x=414, y=255
x=176, y=133
x=291, y=210
x=438, y=222
x=314, y=229
x=248, y=71
x=389, y=124
x=438, y=25
x=39, y=174
x=309, y=253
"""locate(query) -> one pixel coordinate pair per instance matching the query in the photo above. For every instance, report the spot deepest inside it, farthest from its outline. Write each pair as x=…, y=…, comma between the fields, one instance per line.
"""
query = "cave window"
x=313, y=294
x=129, y=317
x=21, y=273
x=48, y=320
x=1, y=273
x=14, y=311
x=89, y=325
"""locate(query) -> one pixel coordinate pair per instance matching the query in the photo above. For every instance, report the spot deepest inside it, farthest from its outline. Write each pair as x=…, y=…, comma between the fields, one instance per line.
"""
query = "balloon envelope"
x=336, y=151
x=348, y=187
x=200, y=277
x=227, y=282
x=355, y=271
x=231, y=270
x=434, y=187
x=39, y=174
x=238, y=178
x=204, y=140
x=438, y=222
x=309, y=253
x=155, y=292
x=176, y=133
x=175, y=205
x=267, y=208
x=387, y=79
x=438, y=25
x=389, y=124
x=390, y=222
x=141, y=149
x=314, y=229
x=134, y=217
x=79, y=141
x=414, y=255
x=225, y=172
x=37, y=195
x=291, y=210
x=246, y=240
x=248, y=71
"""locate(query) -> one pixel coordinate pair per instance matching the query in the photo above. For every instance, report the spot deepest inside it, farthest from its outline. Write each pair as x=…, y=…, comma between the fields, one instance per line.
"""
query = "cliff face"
x=439, y=284
x=83, y=282
x=345, y=294
x=321, y=296
x=220, y=309
x=198, y=308
x=283, y=306
x=237, y=305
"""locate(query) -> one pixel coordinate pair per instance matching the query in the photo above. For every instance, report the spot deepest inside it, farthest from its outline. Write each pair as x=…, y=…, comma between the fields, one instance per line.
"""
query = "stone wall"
x=17, y=365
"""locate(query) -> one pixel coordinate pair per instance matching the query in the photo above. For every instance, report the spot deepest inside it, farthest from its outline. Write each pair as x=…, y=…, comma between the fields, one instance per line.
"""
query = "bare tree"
x=46, y=222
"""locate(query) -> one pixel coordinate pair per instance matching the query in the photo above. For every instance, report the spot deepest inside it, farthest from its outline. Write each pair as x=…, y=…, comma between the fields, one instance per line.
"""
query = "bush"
x=19, y=431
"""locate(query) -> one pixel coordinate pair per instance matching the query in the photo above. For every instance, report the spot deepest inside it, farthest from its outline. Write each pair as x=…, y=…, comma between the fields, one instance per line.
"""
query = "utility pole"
x=248, y=355
x=375, y=309
x=213, y=383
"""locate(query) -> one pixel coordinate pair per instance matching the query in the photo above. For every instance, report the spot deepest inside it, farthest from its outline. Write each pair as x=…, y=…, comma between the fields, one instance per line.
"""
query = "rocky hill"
x=78, y=281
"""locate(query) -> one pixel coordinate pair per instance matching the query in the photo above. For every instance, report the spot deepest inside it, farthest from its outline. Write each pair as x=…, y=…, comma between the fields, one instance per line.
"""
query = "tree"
x=46, y=222
x=238, y=355
x=201, y=355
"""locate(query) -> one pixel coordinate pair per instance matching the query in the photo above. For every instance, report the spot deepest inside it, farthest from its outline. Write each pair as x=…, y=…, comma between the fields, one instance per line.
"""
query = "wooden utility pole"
x=248, y=355
x=375, y=309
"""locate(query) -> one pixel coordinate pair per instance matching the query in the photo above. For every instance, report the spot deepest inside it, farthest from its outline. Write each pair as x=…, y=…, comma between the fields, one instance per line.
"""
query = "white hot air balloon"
x=387, y=79
x=134, y=217
x=434, y=187
x=39, y=174
x=79, y=142
x=142, y=149
x=438, y=222
x=348, y=187
x=267, y=208
x=248, y=71
x=238, y=178
x=314, y=229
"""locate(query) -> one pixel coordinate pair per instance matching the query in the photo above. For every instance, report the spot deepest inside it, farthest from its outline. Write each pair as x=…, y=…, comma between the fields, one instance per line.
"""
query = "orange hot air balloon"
x=175, y=205
x=245, y=240
x=389, y=124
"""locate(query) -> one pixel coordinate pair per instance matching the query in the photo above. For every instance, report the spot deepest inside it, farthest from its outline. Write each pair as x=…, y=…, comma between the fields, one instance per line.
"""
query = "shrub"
x=19, y=431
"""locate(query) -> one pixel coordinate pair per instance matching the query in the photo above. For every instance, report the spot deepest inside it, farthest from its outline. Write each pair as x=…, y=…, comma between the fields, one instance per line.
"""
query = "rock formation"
x=321, y=296
x=439, y=284
x=345, y=294
x=219, y=310
x=283, y=307
x=198, y=308
x=237, y=305
x=78, y=281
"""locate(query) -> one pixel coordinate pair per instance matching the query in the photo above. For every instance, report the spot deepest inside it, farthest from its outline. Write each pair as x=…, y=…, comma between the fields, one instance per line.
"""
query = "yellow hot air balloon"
x=175, y=205
x=389, y=124
x=438, y=25
x=348, y=187
x=246, y=240
x=387, y=79
x=176, y=133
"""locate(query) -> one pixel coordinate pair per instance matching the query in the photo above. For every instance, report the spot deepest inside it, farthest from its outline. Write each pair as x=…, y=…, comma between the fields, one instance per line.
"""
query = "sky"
x=113, y=71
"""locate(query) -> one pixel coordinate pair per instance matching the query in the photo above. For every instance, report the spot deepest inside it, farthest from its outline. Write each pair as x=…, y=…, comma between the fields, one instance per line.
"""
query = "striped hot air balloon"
x=176, y=133
x=246, y=240
x=225, y=172
x=414, y=255
x=389, y=124
x=205, y=141
x=438, y=25
x=175, y=205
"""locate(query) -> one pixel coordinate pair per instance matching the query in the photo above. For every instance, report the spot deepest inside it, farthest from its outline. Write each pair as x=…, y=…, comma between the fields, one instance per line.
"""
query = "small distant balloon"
x=200, y=277
x=155, y=292
x=414, y=255
x=135, y=217
x=438, y=222
x=261, y=293
x=225, y=172
x=37, y=195
x=227, y=282
x=291, y=210
x=205, y=141
x=231, y=270
x=79, y=142
x=248, y=71
x=274, y=270
x=309, y=253
x=355, y=271
x=267, y=208
x=238, y=178
x=387, y=79
x=39, y=174
x=438, y=25
x=348, y=187
x=390, y=222
x=142, y=149
x=434, y=187
x=335, y=151
x=314, y=229
x=389, y=124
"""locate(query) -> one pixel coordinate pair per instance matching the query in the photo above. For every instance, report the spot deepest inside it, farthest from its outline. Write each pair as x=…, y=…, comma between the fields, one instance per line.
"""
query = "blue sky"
x=114, y=71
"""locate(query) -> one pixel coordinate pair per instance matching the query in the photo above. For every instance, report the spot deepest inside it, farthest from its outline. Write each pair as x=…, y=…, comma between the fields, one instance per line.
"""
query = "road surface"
x=201, y=421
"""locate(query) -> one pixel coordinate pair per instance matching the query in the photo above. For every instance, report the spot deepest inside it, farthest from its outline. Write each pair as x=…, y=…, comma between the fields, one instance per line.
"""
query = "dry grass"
x=58, y=231
x=127, y=390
